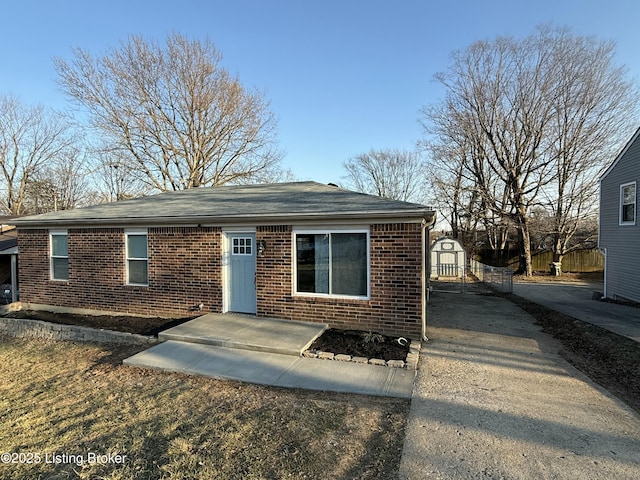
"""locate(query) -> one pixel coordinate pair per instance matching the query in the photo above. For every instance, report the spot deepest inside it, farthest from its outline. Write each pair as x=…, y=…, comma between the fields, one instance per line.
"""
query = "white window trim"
x=319, y=231
x=621, y=204
x=127, y=258
x=251, y=246
x=52, y=256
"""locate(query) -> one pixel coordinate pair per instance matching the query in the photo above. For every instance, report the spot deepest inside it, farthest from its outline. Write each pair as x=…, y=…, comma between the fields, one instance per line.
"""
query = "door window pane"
x=241, y=246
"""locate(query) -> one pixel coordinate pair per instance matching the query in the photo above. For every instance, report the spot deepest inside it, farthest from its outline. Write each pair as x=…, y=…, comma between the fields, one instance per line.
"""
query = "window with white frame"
x=332, y=263
x=628, y=204
x=59, y=245
x=137, y=260
x=242, y=246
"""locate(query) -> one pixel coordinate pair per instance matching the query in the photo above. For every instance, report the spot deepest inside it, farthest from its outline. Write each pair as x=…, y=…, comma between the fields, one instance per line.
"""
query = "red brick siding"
x=394, y=306
x=184, y=271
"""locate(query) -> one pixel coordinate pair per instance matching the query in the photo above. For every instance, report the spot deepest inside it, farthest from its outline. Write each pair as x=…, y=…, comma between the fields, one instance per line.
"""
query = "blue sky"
x=342, y=76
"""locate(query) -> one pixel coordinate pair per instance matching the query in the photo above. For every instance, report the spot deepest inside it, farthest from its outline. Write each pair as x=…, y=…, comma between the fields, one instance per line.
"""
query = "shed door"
x=447, y=264
x=242, y=272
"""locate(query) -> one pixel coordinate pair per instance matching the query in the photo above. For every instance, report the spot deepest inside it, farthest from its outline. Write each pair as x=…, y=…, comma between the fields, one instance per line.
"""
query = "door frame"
x=226, y=263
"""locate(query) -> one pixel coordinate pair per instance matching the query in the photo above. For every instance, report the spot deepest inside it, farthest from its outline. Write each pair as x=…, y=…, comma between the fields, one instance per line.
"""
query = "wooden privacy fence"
x=576, y=261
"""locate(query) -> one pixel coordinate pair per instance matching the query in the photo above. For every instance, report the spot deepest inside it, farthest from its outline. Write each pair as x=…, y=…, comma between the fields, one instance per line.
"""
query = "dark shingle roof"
x=269, y=203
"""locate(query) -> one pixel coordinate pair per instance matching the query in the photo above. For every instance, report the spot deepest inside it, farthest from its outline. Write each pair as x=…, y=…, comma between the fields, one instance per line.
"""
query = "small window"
x=332, y=263
x=242, y=246
x=628, y=204
x=137, y=260
x=59, y=256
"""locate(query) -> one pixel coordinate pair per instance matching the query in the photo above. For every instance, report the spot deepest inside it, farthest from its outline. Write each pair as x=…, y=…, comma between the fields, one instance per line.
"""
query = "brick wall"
x=184, y=271
x=394, y=306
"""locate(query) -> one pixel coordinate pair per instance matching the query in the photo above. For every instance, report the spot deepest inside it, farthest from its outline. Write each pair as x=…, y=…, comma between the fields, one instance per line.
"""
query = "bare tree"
x=396, y=174
x=514, y=106
x=451, y=192
x=113, y=178
x=173, y=112
x=61, y=184
x=594, y=111
x=31, y=138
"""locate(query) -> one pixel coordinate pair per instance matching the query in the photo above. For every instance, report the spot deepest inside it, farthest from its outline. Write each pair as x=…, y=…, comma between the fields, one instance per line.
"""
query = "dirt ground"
x=565, y=277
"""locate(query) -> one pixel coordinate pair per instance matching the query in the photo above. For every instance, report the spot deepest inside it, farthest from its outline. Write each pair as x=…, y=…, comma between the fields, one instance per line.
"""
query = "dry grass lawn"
x=70, y=399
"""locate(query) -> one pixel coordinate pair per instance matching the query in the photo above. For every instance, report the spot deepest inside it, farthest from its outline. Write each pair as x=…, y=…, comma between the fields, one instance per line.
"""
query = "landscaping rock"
x=377, y=361
x=395, y=363
x=342, y=357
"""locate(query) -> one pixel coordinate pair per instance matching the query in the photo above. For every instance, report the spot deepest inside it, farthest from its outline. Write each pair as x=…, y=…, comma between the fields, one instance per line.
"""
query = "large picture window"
x=137, y=260
x=59, y=255
x=332, y=263
x=628, y=204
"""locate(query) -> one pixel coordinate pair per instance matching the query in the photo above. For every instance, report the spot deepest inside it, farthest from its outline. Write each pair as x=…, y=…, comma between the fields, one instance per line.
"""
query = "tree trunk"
x=524, y=248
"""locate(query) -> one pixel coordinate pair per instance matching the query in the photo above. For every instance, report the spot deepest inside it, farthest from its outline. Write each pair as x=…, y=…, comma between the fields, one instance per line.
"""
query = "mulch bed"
x=349, y=342
x=360, y=344
x=119, y=323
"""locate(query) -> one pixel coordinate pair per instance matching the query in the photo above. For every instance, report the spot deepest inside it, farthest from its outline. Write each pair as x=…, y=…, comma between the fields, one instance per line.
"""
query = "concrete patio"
x=247, y=332
x=266, y=351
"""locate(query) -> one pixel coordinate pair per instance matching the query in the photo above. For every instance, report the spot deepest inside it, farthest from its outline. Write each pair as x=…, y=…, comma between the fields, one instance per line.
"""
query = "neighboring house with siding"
x=300, y=251
x=619, y=230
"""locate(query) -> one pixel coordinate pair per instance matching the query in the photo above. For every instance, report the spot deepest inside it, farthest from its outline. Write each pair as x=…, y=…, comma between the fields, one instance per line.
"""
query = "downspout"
x=604, y=253
x=426, y=228
x=14, y=277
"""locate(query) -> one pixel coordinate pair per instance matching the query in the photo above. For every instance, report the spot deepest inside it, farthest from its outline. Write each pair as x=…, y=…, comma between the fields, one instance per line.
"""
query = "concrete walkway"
x=493, y=399
x=266, y=352
x=247, y=332
x=575, y=300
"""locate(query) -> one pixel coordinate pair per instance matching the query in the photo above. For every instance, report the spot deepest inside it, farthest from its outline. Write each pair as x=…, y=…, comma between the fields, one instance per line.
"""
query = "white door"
x=242, y=272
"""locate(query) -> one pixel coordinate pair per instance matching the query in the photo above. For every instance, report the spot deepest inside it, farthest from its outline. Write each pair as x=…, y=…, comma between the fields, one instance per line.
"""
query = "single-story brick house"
x=300, y=251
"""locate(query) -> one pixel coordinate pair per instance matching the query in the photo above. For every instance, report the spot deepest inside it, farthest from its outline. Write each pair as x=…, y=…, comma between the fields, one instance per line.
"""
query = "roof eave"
x=620, y=155
x=416, y=215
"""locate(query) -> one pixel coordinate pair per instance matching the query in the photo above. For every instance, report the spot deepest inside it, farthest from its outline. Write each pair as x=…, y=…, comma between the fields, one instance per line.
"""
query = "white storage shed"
x=448, y=258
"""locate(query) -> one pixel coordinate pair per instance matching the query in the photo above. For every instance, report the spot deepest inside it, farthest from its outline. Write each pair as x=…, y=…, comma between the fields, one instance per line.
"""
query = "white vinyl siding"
x=620, y=240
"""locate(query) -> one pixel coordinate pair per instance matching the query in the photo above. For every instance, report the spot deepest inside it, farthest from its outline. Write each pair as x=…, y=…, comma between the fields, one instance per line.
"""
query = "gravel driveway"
x=494, y=400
